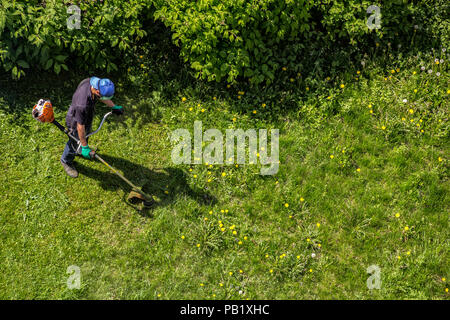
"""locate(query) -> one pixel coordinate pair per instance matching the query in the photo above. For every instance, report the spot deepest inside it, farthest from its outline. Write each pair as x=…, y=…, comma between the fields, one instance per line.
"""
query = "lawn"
x=362, y=181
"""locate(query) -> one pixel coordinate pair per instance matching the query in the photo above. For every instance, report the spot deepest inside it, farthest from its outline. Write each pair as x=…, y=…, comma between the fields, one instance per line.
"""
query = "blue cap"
x=105, y=86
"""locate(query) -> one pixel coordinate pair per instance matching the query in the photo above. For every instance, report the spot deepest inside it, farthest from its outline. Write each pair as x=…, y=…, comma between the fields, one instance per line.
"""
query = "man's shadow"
x=165, y=184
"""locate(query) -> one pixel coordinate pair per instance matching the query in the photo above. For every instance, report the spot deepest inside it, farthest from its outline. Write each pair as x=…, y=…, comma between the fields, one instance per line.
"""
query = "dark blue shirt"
x=82, y=107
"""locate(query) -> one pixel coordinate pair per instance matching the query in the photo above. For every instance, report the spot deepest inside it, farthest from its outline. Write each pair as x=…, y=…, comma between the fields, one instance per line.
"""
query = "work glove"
x=87, y=153
x=117, y=110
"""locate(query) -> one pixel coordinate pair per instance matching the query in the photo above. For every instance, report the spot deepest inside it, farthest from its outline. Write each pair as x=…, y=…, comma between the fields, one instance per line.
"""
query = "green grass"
x=49, y=221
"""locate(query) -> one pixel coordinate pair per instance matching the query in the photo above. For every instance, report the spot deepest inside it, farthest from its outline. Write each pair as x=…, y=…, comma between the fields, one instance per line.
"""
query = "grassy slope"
x=49, y=221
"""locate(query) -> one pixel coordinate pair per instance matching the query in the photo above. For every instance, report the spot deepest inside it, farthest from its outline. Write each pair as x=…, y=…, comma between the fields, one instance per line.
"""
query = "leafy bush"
x=35, y=34
x=220, y=39
x=225, y=39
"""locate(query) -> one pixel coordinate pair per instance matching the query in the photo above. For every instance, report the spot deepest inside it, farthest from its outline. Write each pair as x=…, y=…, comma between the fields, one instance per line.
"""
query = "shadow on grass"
x=165, y=184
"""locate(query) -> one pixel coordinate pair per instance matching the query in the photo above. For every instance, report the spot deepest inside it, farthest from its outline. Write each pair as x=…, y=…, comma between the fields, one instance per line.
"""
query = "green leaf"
x=48, y=64
x=60, y=58
x=23, y=64
x=57, y=68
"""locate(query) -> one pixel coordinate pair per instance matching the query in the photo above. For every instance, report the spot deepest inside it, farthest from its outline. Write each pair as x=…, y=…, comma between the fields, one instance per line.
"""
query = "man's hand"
x=117, y=110
x=85, y=152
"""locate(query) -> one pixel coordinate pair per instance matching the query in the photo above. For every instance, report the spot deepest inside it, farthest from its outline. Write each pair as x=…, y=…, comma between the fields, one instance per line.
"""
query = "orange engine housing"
x=43, y=111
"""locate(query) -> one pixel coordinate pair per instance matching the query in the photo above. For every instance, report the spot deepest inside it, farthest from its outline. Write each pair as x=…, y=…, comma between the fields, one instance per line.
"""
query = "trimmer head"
x=135, y=197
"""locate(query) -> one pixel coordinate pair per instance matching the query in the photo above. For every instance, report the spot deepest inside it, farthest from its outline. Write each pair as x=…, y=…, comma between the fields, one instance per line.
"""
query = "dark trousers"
x=70, y=151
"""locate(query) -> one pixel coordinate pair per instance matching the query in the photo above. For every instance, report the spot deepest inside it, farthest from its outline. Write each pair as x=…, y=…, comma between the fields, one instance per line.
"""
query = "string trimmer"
x=43, y=112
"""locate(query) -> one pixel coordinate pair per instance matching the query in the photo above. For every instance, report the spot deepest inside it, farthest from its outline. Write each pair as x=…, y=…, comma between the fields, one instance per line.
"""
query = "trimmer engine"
x=43, y=111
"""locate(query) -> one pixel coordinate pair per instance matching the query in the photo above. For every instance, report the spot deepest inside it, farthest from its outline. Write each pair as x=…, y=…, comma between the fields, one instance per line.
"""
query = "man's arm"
x=117, y=110
x=109, y=103
x=81, y=128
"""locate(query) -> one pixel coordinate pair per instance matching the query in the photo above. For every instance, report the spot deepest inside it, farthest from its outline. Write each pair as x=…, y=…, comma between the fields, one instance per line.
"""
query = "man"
x=80, y=115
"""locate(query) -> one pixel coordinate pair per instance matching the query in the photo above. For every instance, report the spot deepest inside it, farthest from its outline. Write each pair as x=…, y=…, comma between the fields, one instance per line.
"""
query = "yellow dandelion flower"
x=383, y=127
x=223, y=174
x=221, y=284
x=267, y=255
x=342, y=86
x=198, y=245
x=359, y=169
x=222, y=229
x=411, y=111
x=443, y=279
x=310, y=270
x=245, y=238
x=397, y=215
x=319, y=245
x=201, y=284
x=318, y=225
x=286, y=205
x=241, y=271
x=183, y=99
x=206, y=219
x=298, y=257
x=440, y=159
x=240, y=242
x=271, y=270
x=230, y=273
x=292, y=79
x=234, y=232
x=195, y=176
x=446, y=290
x=284, y=68
x=406, y=228
x=254, y=111
x=331, y=156
x=203, y=110
x=214, y=98
x=408, y=253
x=182, y=237
x=308, y=240
x=358, y=72
x=301, y=199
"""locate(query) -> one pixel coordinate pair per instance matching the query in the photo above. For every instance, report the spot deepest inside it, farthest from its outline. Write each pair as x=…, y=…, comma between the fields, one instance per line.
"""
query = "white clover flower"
x=430, y=71
x=405, y=101
x=438, y=74
x=363, y=63
x=443, y=49
x=313, y=255
x=416, y=26
x=441, y=61
x=422, y=68
x=436, y=60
